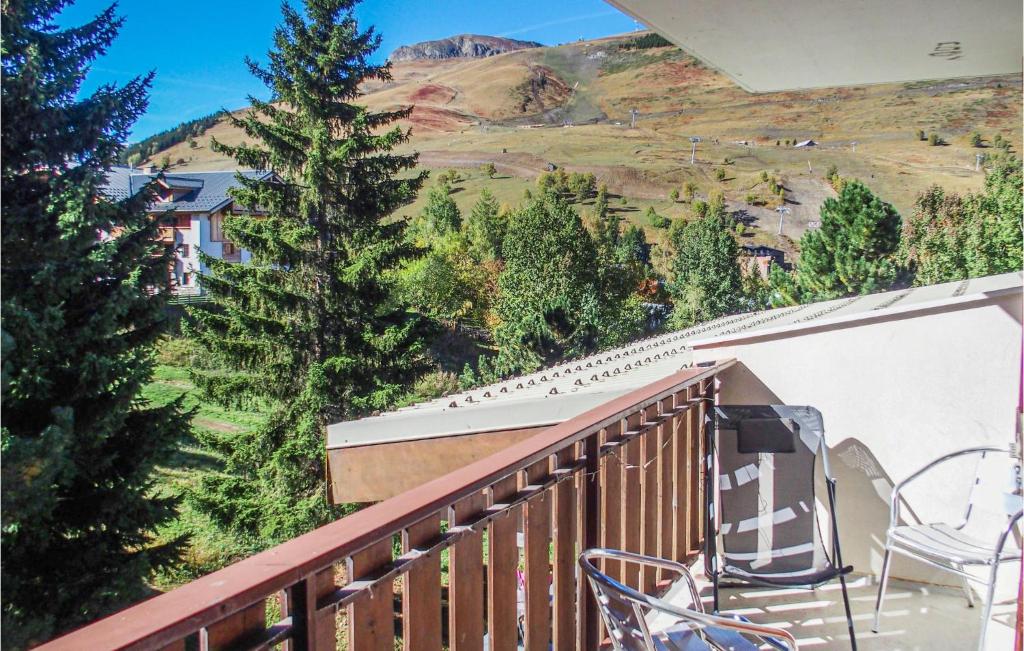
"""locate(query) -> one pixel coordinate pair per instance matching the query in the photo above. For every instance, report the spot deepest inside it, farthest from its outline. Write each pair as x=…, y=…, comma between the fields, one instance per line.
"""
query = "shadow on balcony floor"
x=916, y=616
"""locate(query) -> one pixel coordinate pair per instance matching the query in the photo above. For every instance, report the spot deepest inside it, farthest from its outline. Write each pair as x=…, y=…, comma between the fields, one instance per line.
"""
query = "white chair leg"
x=881, y=588
x=989, y=598
x=967, y=591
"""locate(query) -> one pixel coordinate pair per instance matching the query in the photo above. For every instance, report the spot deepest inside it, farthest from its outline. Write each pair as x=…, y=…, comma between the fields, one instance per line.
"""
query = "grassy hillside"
x=570, y=105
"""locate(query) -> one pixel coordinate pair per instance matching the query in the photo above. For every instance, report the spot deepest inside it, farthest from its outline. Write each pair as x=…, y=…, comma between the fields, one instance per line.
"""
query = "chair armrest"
x=663, y=563
x=894, y=503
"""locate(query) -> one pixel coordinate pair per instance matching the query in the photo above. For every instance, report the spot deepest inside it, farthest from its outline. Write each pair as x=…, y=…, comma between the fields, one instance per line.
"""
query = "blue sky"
x=197, y=48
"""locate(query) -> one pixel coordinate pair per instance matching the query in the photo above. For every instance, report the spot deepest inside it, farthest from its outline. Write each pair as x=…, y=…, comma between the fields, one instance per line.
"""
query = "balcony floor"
x=916, y=616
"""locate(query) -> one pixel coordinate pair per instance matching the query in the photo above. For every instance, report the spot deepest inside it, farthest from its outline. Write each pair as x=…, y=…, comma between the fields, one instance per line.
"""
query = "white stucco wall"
x=895, y=392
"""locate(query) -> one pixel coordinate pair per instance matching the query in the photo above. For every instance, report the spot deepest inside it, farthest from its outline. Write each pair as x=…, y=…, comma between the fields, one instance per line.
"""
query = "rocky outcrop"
x=466, y=46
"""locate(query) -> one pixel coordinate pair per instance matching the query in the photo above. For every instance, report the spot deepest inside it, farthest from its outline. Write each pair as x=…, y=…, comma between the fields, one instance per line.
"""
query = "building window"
x=183, y=221
x=216, y=227
x=186, y=279
x=228, y=248
x=184, y=250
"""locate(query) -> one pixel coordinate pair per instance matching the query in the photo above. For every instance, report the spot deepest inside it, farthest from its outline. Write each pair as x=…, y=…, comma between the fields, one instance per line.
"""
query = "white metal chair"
x=950, y=547
x=624, y=611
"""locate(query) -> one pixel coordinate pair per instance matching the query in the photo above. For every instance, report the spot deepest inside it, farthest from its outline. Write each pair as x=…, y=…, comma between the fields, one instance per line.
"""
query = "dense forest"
x=137, y=152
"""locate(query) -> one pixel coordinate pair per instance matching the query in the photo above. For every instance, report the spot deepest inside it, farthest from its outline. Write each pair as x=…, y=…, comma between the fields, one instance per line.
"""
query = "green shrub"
x=975, y=139
x=720, y=174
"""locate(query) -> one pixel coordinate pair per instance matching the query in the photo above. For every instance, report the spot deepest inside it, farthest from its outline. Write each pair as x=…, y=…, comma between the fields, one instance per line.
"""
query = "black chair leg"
x=714, y=592
x=849, y=615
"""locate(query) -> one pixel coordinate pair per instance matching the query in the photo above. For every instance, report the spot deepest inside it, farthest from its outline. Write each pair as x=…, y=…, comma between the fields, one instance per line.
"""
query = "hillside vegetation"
x=570, y=105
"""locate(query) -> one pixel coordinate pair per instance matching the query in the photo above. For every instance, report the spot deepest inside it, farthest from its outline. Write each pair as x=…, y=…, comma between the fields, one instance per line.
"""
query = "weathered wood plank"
x=631, y=505
x=611, y=500
x=536, y=543
x=649, y=451
x=666, y=494
x=421, y=594
x=680, y=479
x=502, y=561
x=313, y=630
x=589, y=501
x=234, y=629
x=694, y=492
x=371, y=625
x=466, y=579
x=564, y=571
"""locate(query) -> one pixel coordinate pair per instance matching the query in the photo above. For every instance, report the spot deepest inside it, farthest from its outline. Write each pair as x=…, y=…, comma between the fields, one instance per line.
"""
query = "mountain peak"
x=467, y=46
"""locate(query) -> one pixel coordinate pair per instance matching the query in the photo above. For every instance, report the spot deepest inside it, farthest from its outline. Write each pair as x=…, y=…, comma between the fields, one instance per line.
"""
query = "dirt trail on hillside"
x=513, y=163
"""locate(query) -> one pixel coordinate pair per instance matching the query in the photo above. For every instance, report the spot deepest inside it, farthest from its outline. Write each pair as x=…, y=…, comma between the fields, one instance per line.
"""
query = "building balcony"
x=484, y=556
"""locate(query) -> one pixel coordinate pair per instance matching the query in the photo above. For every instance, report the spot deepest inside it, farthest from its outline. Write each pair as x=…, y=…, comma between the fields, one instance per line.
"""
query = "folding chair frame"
x=711, y=531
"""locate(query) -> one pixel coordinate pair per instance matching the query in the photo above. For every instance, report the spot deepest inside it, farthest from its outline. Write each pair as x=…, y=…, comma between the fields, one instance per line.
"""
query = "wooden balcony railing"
x=626, y=475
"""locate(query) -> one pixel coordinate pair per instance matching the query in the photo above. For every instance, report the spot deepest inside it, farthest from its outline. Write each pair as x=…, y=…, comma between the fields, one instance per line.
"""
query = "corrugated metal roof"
x=560, y=392
x=207, y=190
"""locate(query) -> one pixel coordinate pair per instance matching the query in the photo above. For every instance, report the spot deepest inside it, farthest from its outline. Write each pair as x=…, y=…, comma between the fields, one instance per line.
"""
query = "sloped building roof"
x=204, y=191
x=560, y=392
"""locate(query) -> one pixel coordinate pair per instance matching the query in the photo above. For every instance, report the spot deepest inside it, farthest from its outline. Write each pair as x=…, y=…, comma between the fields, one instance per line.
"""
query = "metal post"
x=782, y=210
x=693, y=148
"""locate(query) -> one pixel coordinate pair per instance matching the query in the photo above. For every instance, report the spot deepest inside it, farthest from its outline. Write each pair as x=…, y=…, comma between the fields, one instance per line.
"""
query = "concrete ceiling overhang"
x=777, y=45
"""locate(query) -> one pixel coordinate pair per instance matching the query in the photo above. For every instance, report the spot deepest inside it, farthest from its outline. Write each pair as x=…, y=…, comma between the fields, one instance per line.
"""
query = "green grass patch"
x=209, y=548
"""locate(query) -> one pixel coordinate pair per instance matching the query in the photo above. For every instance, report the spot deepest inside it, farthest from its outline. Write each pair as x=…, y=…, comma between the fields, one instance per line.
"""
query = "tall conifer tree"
x=79, y=323
x=311, y=324
x=854, y=250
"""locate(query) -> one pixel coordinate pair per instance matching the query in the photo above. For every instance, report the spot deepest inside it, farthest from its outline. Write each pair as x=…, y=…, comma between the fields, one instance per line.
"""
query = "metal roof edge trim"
x=848, y=319
x=582, y=402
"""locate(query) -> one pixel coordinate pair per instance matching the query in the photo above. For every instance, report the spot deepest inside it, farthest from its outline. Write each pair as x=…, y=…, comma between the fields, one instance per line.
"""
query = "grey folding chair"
x=762, y=509
x=951, y=547
x=626, y=611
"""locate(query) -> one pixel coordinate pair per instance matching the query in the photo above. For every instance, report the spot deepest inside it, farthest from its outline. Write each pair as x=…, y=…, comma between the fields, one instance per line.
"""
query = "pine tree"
x=80, y=321
x=606, y=224
x=312, y=325
x=485, y=228
x=853, y=251
x=706, y=282
x=440, y=217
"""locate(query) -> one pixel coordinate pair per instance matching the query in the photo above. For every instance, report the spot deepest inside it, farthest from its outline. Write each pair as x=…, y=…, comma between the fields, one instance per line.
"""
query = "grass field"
x=209, y=548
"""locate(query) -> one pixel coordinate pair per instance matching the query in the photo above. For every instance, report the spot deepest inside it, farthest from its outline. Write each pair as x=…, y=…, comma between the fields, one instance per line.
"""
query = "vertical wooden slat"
x=695, y=463
x=502, y=560
x=466, y=579
x=312, y=630
x=371, y=625
x=631, y=506
x=680, y=479
x=611, y=500
x=234, y=629
x=421, y=594
x=590, y=516
x=536, y=543
x=649, y=497
x=564, y=571
x=666, y=454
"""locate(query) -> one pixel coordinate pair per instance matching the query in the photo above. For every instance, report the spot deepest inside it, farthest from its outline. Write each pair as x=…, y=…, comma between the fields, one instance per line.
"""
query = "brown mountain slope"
x=570, y=105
